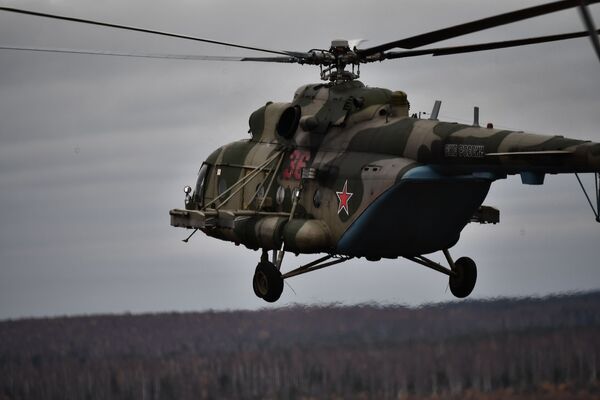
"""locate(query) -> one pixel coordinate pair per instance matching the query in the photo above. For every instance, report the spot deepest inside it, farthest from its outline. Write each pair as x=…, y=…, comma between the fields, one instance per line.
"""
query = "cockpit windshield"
x=199, y=192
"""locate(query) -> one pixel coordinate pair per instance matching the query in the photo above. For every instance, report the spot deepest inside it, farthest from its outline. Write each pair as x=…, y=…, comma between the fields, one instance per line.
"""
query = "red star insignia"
x=344, y=197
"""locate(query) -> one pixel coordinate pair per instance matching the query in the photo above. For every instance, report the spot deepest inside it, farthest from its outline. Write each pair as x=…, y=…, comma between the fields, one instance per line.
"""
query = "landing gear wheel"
x=267, y=282
x=254, y=285
x=462, y=284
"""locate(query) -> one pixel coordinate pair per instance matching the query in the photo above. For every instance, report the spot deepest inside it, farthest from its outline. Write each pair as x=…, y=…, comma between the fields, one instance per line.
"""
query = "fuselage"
x=369, y=180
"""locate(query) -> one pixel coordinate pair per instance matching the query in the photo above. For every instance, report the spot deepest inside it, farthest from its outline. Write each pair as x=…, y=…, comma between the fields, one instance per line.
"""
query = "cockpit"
x=198, y=196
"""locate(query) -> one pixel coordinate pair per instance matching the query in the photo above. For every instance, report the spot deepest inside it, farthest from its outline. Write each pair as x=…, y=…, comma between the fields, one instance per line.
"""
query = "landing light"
x=187, y=190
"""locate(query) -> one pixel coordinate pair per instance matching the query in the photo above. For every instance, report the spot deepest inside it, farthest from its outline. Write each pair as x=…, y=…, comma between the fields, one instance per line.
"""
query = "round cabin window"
x=317, y=199
x=280, y=196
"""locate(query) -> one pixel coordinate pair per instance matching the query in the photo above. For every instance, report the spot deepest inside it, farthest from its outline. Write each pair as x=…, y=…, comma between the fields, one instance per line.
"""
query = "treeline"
x=525, y=348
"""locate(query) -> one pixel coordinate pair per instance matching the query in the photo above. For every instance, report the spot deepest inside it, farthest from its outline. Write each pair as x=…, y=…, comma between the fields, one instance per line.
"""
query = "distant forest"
x=546, y=348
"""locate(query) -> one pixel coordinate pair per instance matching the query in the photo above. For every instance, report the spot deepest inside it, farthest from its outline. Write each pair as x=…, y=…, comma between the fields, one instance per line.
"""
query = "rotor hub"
x=333, y=62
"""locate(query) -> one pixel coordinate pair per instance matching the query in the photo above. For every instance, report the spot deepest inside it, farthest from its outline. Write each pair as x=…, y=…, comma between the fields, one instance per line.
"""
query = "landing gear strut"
x=268, y=280
x=462, y=273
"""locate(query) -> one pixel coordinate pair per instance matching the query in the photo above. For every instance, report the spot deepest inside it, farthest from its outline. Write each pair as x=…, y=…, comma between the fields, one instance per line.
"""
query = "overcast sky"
x=95, y=150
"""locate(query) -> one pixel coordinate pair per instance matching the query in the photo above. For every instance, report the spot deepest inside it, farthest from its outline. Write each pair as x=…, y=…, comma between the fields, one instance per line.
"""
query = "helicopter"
x=347, y=170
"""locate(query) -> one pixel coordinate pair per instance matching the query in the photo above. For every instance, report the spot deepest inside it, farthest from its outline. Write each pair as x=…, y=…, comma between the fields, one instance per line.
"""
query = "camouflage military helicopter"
x=346, y=170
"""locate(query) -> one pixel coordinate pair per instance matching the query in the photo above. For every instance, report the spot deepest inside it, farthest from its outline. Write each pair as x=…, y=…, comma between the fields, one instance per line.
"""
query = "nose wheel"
x=267, y=282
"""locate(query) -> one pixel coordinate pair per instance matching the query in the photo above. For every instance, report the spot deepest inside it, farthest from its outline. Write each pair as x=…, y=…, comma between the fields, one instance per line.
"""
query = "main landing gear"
x=462, y=272
x=268, y=279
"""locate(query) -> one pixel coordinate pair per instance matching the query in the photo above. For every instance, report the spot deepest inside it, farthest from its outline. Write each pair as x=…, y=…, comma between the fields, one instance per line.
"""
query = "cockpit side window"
x=200, y=184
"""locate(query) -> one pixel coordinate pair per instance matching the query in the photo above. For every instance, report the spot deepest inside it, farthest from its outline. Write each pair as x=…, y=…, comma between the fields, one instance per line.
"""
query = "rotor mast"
x=339, y=56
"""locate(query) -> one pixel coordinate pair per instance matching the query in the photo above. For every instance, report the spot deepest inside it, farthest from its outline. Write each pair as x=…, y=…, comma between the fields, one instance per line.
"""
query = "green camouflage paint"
x=362, y=139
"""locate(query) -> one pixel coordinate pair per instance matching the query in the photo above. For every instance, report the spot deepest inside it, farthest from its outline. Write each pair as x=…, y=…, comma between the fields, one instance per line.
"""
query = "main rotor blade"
x=149, y=55
x=589, y=24
x=471, y=48
x=474, y=26
x=133, y=28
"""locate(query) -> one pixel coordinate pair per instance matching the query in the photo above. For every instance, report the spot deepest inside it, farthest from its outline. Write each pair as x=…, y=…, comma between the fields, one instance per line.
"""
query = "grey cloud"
x=88, y=230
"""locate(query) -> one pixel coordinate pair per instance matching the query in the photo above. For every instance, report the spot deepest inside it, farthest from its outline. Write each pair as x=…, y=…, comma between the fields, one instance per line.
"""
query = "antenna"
x=436, y=110
x=476, y=116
